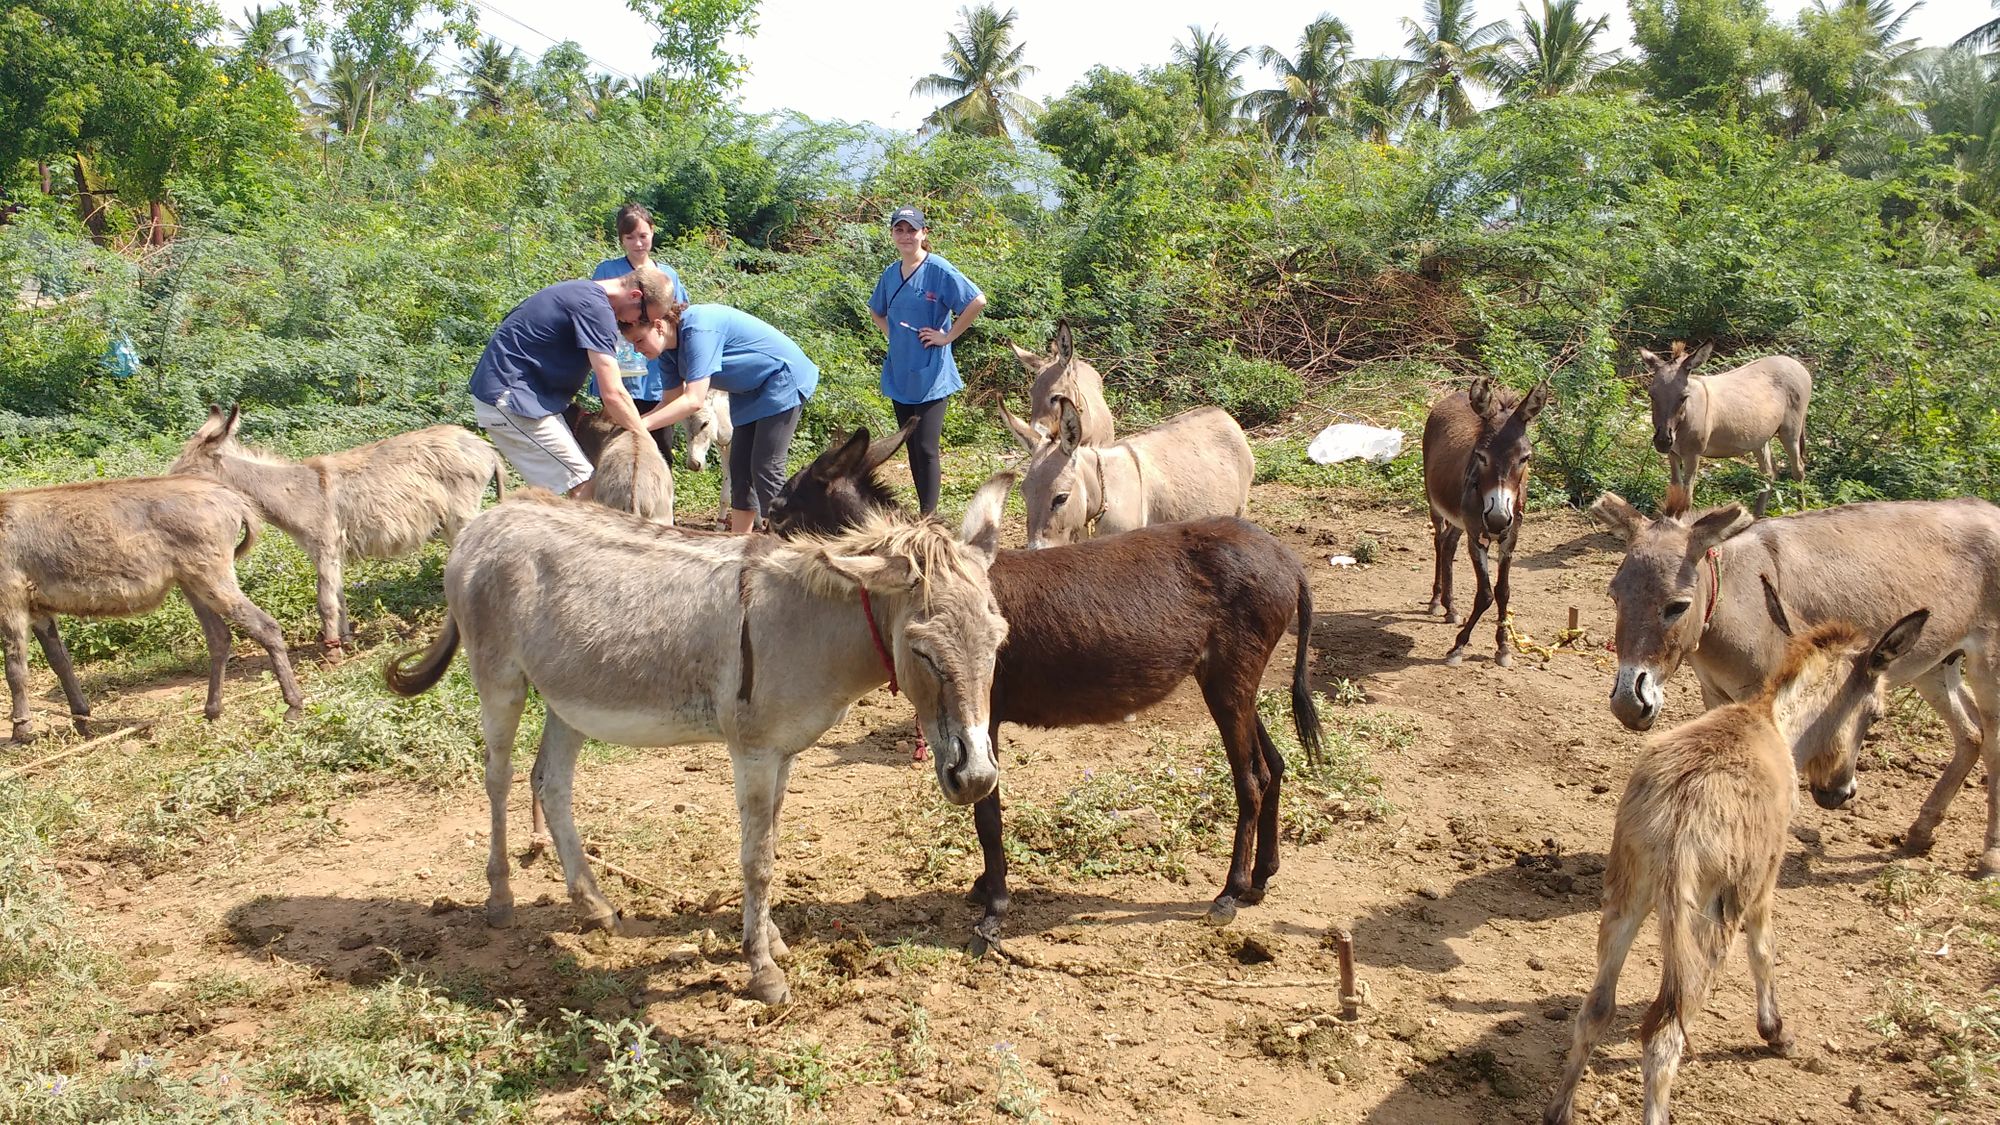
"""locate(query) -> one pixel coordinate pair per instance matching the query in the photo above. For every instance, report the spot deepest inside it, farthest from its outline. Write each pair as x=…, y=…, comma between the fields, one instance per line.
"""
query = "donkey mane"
x=1803, y=650
x=927, y=545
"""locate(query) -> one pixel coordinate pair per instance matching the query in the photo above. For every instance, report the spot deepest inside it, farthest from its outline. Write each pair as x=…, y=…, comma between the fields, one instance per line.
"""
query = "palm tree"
x=1307, y=97
x=1555, y=54
x=265, y=35
x=1873, y=75
x=1212, y=66
x=493, y=78
x=1376, y=98
x=1448, y=55
x=983, y=76
x=1985, y=35
x=1959, y=97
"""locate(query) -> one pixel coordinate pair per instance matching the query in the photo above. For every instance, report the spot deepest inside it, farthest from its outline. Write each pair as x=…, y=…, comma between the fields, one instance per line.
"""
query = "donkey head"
x=1496, y=473
x=1053, y=377
x=706, y=427
x=1667, y=385
x=1061, y=494
x=1654, y=591
x=943, y=628
x=840, y=489
x=214, y=437
x=1828, y=690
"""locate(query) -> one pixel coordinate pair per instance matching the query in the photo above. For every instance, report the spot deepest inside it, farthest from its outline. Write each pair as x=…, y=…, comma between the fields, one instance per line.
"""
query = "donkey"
x=1700, y=836
x=1063, y=376
x=1476, y=453
x=643, y=636
x=711, y=428
x=632, y=476
x=1727, y=415
x=1191, y=465
x=1688, y=590
x=378, y=501
x=1102, y=629
x=109, y=548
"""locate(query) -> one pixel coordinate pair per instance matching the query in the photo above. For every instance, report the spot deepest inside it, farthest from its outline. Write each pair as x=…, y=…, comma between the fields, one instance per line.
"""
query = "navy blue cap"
x=908, y=215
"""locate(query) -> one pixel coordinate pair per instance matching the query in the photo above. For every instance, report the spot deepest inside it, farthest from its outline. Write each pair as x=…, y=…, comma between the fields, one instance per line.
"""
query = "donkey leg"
x=59, y=663
x=1615, y=931
x=760, y=784
x=1232, y=701
x=223, y=595
x=1503, y=645
x=1983, y=677
x=1475, y=547
x=1272, y=766
x=1763, y=970
x=1767, y=466
x=554, y=776
x=1438, y=559
x=500, y=705
x=1944, y=689
x=1445, y=552
x=216, y=631
x=14, y=631
x=326, y=564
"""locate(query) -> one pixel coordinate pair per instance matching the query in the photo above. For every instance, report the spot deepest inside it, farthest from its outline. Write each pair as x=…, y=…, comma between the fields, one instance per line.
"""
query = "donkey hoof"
x=1989, y=864
x=1251, y=897
x=1222, y=911
x=1919, y=841
x=1780, y=1041
x=82, y=724
x=499, y=915
x=212, y=712
x=24, y=732
x=1451, y=617
x=1454, y=658
x=293, y=713
x=1558, y=1114
x=1504, y=659
x=985, y=936
x=769, y=985
x=607, y=920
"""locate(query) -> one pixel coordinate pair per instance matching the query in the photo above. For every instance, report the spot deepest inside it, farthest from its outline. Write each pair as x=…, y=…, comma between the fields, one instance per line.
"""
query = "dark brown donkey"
x=1101, y=629
x=1476, y=452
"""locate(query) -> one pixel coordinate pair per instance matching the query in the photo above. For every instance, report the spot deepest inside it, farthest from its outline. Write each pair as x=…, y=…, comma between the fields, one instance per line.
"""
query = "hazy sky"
x=822, y=58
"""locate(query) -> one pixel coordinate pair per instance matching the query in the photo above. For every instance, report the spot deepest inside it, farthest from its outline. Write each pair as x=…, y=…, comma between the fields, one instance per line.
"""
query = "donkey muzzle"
x=1636, y=697
x=1496, y=510
x=967, y=769
x=1662, y=443
x=1834, y=796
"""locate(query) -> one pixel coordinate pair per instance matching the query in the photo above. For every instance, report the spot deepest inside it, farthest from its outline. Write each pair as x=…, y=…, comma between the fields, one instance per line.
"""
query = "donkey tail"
x=1692, y=942
x=1305, y=716
x=251, y=526
x=499, y=478
x=418, y=671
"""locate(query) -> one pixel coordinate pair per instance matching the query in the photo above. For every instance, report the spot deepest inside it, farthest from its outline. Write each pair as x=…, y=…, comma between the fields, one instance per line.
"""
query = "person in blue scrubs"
x=922, y=304
x=641, y=375
x=768, y=378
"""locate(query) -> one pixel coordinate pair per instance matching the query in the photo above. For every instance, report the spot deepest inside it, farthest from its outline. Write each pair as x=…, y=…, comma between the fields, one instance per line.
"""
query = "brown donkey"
x=1063, y=377
x=1701, y=834
x=377, y=501
x=109, y=548
x=1101, y=629
x=1476, y=452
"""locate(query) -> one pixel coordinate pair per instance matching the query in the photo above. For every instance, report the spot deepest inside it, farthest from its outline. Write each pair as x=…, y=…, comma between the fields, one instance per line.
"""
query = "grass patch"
x=1934, y=1008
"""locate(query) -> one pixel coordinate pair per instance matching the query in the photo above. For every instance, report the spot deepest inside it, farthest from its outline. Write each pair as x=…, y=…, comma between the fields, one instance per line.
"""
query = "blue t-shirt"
x=539, y=357
x=764, y=372
x=934, y=292
x=647, y=386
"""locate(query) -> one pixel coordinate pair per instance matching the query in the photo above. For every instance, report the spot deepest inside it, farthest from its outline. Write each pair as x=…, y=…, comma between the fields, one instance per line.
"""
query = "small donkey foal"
x=1701, y=834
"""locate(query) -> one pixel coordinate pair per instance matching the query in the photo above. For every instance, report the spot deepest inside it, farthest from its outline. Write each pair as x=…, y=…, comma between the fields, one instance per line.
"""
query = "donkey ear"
x=879, y=575
x=1650, y=358
x=1065, y=349
x=1699, y=356
x=1717, y=525
x=1029, y=437
x=234, y=420
x=1031, y=362
x=981, y=529
x=1533, y=404
x=210, y=429
x=844, y=459
x=1480, y=394
x=886, y=448
x=1901, y=637
x=1774, y=607
x=1070, y=430
x=1618, y=514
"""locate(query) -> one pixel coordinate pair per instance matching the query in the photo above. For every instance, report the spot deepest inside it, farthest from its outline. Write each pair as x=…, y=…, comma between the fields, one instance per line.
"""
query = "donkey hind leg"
x=501, y=699
x=554, y=776
x=1767, y=467
x=1661, y=1054
x=222, y=594
x=1982, y=675
x=1273, y=768
x=1503, y=644
x=332, y=611
x=1615, y=931
x=14, y=633
x=760, y=792
x=1232, y=701
x=59, y=663
x=1437, y=563
x=1475, y=548
x=990, y=889
x=1763, y=968
x=216, y=631
x=1944, y=689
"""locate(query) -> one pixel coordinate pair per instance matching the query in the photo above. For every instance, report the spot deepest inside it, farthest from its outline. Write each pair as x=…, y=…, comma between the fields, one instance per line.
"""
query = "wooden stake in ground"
x=52, y=759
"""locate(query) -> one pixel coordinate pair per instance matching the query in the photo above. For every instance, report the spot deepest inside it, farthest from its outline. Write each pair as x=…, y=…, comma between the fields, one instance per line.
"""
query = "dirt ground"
x=1473, y=903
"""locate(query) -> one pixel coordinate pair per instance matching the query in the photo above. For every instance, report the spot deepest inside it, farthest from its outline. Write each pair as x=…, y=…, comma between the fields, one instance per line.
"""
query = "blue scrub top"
x=764, y=372
x=539, y=357
x=934, y=293
x=647, y=386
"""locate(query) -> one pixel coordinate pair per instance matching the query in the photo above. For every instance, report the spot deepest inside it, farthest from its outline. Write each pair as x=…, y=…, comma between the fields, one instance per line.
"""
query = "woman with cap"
x=768, y=378
x=922, y=304
x=641, y=375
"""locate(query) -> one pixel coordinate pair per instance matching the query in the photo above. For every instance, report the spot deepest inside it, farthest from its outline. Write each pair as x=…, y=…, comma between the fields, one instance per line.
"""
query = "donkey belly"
x=639, y=722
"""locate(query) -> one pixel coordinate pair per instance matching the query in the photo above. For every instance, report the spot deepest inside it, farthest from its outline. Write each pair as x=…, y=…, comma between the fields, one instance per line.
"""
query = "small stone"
x=1429, y=892
x=1817, y=1065
x=900, y=1105
x=356, y=940
x=1600, y=787
x=1076, y=1084
x=1536, y=963
x=1557, y=1012
x=1512, y=1025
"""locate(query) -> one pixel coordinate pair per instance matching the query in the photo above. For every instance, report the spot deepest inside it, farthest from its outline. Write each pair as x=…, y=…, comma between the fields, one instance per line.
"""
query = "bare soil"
x=1472, y=904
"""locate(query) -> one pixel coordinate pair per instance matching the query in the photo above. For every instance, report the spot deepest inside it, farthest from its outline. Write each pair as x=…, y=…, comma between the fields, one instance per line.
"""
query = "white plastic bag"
x=1349, y=440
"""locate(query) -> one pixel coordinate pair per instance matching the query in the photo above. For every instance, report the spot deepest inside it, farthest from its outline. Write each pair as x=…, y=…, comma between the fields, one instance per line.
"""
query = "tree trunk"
x=90, y=209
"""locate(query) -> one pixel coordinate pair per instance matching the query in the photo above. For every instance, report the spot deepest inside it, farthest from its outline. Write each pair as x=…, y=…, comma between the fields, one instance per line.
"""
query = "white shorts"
x=541, y=449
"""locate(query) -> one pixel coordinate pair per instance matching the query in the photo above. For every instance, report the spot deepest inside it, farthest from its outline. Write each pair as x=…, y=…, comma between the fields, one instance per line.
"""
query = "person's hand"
x=932, y=337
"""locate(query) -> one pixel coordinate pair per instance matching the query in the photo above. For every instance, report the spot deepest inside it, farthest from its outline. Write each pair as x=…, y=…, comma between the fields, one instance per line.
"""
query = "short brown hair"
x=652, y=284
x=630, y=216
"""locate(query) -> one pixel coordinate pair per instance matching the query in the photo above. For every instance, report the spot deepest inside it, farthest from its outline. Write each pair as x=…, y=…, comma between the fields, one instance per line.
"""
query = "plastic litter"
x=1341, y=560
x=1345, y=441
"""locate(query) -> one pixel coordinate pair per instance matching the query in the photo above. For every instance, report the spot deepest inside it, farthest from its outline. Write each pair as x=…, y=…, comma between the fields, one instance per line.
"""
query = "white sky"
x=823, y=58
